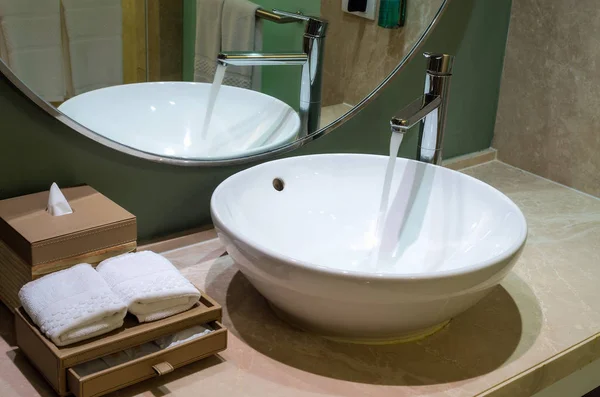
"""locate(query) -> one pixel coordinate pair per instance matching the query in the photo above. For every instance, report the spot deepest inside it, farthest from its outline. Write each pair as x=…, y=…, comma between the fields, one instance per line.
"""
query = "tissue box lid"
x=38, y=237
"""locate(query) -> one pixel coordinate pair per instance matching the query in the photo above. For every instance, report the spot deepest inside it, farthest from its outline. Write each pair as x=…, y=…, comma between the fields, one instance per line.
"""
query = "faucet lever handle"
x=315, y=26
x=439, y=64
x=414, y=112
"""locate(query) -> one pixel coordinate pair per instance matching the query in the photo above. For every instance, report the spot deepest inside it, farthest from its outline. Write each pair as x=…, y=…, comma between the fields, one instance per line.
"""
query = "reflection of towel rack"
x=271, y=16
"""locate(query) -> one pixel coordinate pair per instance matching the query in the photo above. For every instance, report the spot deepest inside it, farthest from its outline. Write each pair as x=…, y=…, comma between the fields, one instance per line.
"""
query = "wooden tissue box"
x=34, y=243
x=58, y=364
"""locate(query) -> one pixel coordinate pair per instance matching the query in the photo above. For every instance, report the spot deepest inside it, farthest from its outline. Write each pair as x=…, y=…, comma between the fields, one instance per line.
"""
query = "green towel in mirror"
x=392, y=13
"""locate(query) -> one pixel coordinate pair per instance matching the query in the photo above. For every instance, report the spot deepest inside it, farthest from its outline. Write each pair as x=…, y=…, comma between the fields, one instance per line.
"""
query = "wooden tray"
x=54, y=362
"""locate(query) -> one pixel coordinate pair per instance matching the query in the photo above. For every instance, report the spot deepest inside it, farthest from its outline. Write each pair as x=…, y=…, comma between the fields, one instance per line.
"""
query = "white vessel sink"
x=167, y=118
x=307, y=248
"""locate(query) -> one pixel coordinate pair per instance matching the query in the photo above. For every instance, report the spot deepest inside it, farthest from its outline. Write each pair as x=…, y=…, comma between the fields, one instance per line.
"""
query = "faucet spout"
x=260, y=59
x=310, y=87
x=416, y=111
x=429, y=111
x=311, y=60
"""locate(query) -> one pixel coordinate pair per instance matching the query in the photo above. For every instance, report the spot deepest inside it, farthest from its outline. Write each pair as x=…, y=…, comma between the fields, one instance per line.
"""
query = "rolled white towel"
x=72, y=305
x=149, y=284
x=90, y=367
x=183, y=336
x=118, y=358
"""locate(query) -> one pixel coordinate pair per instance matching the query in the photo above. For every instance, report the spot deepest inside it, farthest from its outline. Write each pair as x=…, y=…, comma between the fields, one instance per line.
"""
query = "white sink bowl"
x=167, y=119
x=306, y=248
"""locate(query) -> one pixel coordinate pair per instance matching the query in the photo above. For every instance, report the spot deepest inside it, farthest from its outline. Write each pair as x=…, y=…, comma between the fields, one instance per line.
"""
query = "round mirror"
x=207, y=82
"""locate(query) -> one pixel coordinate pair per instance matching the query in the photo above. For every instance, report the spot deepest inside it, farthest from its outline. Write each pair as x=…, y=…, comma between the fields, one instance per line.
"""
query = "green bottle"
x=392, y=13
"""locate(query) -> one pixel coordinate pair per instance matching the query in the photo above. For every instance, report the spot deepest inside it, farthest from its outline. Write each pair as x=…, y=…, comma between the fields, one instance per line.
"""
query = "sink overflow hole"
x=278, y=184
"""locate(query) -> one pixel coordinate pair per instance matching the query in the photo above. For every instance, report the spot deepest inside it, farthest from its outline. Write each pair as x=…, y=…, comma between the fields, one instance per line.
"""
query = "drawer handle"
x=163, y=368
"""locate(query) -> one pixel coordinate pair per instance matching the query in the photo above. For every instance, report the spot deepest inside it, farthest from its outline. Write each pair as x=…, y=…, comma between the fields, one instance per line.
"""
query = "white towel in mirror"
x=3, y=49
x=142, y=350
x=31, y=45
x=95, y=43
x=241, y=31
x=208, y=39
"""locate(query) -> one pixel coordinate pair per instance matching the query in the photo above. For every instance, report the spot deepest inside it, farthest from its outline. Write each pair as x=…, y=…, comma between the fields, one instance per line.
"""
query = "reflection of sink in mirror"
x=302, y=231
x=115, y=42
x=167, y=119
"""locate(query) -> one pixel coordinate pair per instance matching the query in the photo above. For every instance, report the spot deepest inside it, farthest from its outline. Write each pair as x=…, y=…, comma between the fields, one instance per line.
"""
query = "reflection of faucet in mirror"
x=311, y=60
x=429, y=109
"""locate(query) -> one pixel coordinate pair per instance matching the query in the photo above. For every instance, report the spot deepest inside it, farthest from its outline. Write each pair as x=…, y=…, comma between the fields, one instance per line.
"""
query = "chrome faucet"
x=429, y=110
x=311, y=60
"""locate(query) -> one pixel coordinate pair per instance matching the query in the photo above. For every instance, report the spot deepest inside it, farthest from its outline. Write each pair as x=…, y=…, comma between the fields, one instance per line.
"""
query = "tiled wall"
x=360, y=54
x=548, y=119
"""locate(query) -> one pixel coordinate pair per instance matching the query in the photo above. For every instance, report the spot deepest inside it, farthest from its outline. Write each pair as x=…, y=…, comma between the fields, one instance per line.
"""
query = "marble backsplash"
x=360, y=54
x=548, y=119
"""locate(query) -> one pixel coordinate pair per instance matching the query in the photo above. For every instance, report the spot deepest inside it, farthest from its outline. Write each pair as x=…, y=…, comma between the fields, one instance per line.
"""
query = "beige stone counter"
x=539, y=326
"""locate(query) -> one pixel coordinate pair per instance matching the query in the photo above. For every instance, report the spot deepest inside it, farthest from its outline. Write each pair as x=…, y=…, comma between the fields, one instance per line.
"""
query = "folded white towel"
x=95, y=43
x=208, y=39
x=31, y=45
x=72, y=305
x=149, y=284
x=241, y=31
x=183, y=336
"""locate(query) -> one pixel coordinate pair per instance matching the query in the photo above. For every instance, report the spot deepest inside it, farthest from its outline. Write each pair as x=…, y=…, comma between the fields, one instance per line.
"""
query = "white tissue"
x=57, y=203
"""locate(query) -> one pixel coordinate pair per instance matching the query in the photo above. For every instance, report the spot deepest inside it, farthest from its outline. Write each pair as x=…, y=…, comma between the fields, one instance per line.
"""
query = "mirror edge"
x=55, y=113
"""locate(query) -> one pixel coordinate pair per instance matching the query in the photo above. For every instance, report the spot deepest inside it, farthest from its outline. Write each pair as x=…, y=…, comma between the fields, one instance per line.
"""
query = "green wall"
x=37, y=149
x=277, y=81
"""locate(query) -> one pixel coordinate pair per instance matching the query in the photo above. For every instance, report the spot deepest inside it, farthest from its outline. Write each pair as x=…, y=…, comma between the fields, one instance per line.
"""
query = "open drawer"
x=149, y=366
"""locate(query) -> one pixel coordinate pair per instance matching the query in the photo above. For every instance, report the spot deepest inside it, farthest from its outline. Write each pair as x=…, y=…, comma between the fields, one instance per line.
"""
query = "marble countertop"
x=539, y=326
